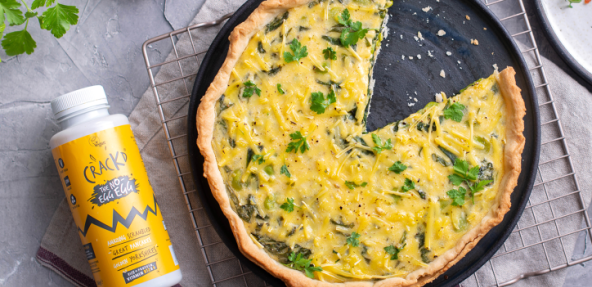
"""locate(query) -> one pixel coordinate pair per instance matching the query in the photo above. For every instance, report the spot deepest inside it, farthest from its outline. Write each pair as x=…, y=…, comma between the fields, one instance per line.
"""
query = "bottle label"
x=114, y=208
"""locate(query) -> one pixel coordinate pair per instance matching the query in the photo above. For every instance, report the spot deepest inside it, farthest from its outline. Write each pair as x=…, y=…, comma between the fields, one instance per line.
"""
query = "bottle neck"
x=84, y=117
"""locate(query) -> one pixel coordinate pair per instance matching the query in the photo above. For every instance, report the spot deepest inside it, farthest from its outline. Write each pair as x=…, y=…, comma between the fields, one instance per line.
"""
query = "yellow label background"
x=106, y=184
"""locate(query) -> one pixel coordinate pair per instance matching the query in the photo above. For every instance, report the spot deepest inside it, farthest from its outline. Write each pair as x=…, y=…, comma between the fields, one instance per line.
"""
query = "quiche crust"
x=206, y=117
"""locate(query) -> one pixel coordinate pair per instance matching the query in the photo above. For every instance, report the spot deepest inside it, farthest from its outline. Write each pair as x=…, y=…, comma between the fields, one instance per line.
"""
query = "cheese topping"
x=311, y=184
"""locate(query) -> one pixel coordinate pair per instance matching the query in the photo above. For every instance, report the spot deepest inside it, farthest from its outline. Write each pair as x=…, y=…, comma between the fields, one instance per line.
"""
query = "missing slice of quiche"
x=315, y=200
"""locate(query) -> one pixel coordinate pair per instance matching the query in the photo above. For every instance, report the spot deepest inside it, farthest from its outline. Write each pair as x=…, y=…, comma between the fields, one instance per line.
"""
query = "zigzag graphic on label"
x=117, y=218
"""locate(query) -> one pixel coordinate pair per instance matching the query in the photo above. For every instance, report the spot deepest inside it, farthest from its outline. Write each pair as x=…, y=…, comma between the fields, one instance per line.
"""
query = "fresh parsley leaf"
x=40, y=3
x=461, y=167
x=329, y=53
x=18, y=42
x=352, y=185
x=454, y=112
x=473, y=173
x=280, y=90
x=345, y=18
x=299, y=141
x=353, y=239
x=250, y=87
x=394, y=251
x=58, y=19
x=258, y=158
x=284, y=170
x=309, y=271
x=9, y=10
x=409, y=185
x=457, y=196
x=379, y=147
x=477, y=187
x=288, y=205
x=319, y=103
x=462, y=172
x=299, y=52
x=353, y=31
x=300, y=263
x=397, y=167
x=456, y=179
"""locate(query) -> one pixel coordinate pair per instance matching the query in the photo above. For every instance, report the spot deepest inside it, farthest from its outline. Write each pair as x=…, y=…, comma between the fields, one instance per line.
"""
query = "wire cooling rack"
x=554, y=219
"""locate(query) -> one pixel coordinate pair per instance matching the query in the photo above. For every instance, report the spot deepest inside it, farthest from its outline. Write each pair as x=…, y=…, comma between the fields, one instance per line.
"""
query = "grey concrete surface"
x=104, y=48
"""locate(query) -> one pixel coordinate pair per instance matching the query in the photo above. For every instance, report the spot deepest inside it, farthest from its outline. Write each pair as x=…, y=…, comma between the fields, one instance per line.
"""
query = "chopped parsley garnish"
x=298, y=262
x=284, y=170
x=479, y=186
x=319, y=103
x=397, y=167
x=379, y=147
x=462, y=172
x=288, y=205
x=258, y=159
x=457, y=196
x=454, y=112
x=353, y=239
x=329, y=53
x=352, y=185
x=299, y=141
x=394, y=250
x=280, y=90
x=353, y=31
x=299, y=52
x=250, y=87
x=409, y=185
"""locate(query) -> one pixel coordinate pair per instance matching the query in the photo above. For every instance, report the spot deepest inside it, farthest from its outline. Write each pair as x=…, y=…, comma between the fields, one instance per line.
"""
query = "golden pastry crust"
x=206, y=116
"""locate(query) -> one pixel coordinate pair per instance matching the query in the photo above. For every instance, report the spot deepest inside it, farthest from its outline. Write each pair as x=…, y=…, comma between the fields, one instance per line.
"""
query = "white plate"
x=571, y=29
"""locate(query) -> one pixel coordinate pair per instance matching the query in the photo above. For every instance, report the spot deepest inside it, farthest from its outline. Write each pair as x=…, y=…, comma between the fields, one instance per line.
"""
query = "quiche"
x=315, y=199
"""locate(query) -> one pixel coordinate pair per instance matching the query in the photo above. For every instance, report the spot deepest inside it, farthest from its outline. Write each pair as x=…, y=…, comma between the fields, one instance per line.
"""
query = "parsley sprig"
x=298, y=262
x=409, y=185
x=462, y=173
x=284, y=170
x=352, y=185
x=353, y=31
x=394, y=250
x=454, y=112
x=329, y=53
x=56, y=19
x=298, y=50
x=298, y=142
x=457, y=196
x=398, y=167
x=258, y=158
x=353, y=239
x=288, y=205
x=251, y=88
x=379, y=146
x=319, y=103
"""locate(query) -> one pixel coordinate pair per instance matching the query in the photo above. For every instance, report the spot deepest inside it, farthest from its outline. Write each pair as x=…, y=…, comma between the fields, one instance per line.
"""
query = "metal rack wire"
x=543, y=229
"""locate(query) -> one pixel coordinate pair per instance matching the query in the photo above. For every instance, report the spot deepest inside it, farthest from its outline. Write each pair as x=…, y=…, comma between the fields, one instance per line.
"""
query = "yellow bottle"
x=107, y=188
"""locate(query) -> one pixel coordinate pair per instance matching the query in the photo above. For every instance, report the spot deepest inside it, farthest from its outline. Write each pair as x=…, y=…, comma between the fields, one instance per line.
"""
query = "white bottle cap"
x=79, y=102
